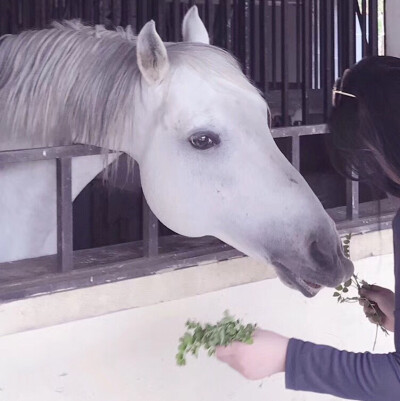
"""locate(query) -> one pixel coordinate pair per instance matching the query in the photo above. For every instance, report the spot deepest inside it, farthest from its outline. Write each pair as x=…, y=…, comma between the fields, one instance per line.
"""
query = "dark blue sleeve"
x=355, y=376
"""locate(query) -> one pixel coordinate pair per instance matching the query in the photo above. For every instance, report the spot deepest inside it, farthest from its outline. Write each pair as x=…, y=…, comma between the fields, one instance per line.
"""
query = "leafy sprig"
x=355, y=282
x=224, y=332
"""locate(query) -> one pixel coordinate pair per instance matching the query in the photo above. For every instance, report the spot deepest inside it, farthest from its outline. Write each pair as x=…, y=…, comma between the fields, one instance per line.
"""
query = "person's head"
x=364, y=139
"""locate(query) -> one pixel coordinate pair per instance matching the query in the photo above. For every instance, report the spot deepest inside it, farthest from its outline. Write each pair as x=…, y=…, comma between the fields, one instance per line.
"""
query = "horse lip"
x=301, y=284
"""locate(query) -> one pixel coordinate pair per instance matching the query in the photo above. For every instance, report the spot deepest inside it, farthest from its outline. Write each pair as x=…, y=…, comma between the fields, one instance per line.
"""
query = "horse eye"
x=204, y=140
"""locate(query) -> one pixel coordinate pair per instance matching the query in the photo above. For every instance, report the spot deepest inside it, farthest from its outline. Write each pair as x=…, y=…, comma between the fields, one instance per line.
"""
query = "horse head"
x=209, y=165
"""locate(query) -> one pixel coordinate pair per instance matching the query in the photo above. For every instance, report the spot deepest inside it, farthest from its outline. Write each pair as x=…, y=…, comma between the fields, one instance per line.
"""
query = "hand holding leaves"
x=224, y=332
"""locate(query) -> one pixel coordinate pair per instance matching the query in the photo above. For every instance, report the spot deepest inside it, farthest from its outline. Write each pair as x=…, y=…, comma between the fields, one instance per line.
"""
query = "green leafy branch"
x=224, y=332
x=343, y=290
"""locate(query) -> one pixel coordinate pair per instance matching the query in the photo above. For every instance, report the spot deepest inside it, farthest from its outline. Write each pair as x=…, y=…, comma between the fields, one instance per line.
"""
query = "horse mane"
x=74, y=83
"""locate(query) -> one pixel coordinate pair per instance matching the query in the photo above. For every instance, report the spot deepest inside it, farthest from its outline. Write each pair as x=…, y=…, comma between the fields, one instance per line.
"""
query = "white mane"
x=78, y=83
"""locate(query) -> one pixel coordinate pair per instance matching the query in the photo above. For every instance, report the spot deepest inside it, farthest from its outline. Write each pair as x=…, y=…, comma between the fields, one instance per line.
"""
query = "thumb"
x=372, y=293
x=224, y=354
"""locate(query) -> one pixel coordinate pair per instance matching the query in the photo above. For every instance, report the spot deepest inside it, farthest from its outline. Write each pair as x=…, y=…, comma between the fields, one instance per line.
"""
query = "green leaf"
x=339, y=288
x=336, y=294
x=209, y=336
x=348, y=283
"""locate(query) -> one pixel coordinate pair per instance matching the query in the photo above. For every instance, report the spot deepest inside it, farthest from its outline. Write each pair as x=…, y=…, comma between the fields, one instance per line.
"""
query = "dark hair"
x=364, y=139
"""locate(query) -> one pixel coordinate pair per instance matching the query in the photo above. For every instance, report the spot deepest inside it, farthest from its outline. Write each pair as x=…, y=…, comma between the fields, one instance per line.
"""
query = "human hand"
x=265, y=357
x=383, y=305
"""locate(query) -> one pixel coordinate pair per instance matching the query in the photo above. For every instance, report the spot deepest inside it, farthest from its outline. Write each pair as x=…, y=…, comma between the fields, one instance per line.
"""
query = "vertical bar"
x=142, y=14
x=228, y=11
x=176, y=20
x=116, y=12
x=95, y=12
x=161, y=19
x=88, y=12
x=273, y=43
x=14, y=12
x=352, y=187
x=323, y=18
x=150, y=231
x=264, y=46
x=351, y=29
x=3, y=17
x=315, y=42
x=247, y=55
x=64, y=215
x=210, y=16
x=298, y=43
x=296, y=152
x=341, y=40
x=363, y=24
x=37, y=14
x=352, y=199
x=255, y=43
x=135, y=25
x=284, y=65
x=306, y=59
x=26, y=14
x=373, y=27
x=329, y=55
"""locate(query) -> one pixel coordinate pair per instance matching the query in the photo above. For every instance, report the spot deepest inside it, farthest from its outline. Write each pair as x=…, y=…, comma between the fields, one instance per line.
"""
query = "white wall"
x=392, y=18
x=129, y=355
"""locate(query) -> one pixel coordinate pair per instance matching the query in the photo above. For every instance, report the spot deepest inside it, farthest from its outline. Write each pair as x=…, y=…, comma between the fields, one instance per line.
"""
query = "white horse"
x=186, y=113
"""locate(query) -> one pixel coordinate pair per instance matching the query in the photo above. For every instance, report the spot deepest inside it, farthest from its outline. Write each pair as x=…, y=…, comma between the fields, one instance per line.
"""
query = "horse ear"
x=152, y=57
x=193, y=29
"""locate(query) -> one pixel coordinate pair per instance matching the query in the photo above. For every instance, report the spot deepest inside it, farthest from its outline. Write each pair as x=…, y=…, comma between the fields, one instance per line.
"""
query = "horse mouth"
x=308, y=288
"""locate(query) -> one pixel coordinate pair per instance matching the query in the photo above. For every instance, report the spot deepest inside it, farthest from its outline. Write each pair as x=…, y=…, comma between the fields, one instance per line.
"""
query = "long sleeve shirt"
x=356, y=376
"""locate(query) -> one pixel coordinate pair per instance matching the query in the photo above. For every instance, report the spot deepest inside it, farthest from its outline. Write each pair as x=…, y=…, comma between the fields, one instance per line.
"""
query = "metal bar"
x=162, y=19
x=27, y=155
x=264, y=45
x=296, y=152
x=362, y=17
x=254, y=42
x=315, y=42
x=247, y=39
x=142, y=14
x=64, y=215
x=298, y=44
x=4, y=28
x=351, y=33
x=176, y=19
x=303, y=130
x=352, y=199
x=13, y=20
x=284, y=63
x=341, y=41
x=273, y=43
x=373, y=27
x=228, y=13
x=306, y=60
x=150, y=231
x=88, y=11
x=210, y=18
x=328, y=59
x=37, y=14
x=116, y=12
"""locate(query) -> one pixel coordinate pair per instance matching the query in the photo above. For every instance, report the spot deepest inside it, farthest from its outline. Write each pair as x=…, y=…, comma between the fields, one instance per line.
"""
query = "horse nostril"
x=318, y=256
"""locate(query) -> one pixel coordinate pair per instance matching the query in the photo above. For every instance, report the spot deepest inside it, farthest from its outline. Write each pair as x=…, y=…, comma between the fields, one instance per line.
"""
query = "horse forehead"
x=202, y=84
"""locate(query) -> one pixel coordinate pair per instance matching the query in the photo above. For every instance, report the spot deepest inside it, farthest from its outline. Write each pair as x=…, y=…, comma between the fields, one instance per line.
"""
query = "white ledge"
x=51, y=309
